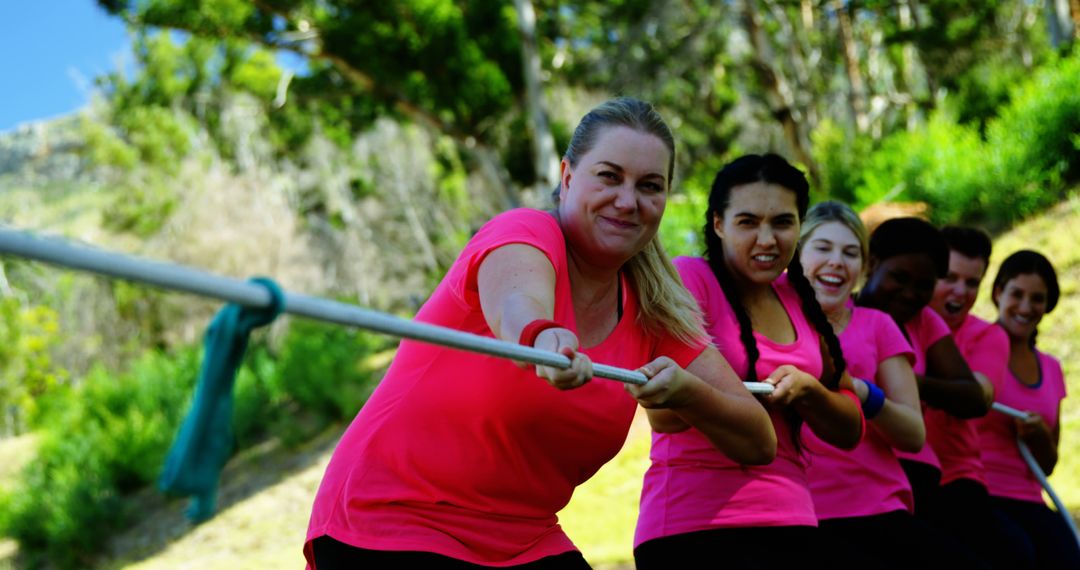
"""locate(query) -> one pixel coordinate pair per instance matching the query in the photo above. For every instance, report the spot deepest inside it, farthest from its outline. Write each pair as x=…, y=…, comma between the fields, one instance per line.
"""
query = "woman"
x=1025, y=289
x=462, y=460
x=879, y=516
x=907, y=256
x=697, y=503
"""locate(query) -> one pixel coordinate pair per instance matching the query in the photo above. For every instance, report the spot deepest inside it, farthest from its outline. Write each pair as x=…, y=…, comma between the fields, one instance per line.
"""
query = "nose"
x=765, y=236
x=626, y=197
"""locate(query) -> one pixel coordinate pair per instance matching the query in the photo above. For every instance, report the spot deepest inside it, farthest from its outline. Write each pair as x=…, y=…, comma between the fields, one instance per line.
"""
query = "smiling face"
x=900, y=285
x=611, y=202
x=759, y=229
x=1021, y=305
x=955, y=294
x=831, y=257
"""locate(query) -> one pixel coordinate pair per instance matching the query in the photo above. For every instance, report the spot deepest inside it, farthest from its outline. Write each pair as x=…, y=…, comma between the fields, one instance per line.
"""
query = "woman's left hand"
x=790, y=385
x=668, y=385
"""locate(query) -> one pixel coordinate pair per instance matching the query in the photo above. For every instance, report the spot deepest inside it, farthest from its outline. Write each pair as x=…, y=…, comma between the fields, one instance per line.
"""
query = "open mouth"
x=765, y=258
x=830, y=280
x=953, y=308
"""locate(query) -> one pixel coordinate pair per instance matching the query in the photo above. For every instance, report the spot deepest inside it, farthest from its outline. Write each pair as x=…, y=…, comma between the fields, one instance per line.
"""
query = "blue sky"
x=50, y=52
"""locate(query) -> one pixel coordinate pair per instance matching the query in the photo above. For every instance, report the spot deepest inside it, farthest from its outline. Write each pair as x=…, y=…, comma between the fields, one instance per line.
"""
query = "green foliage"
x=1026, y=161
x=101, y=440
x=321, y=369
x=27, y=370
x=108, y=437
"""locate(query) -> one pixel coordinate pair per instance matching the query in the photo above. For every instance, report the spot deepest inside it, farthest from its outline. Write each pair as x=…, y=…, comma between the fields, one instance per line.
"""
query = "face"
x=900, y=285
x=832, y=260
x=1021, y=304
x=759, y=229
x=955, y=294
x=611, y=203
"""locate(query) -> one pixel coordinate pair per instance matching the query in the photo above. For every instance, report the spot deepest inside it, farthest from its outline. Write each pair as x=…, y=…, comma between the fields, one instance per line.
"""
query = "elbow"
x=912, y=443
x=762, y=453
x=975, y=408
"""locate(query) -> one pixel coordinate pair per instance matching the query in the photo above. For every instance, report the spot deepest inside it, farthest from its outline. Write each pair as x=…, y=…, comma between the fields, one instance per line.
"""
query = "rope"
x=180, y=278
x=1037, y=471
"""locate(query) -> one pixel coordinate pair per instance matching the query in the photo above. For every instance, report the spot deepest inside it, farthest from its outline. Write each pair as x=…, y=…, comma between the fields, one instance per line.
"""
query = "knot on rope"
x=204, y=441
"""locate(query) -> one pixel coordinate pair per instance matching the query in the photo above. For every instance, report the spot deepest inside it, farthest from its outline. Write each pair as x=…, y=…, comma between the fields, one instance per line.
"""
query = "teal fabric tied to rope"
x=205, y=439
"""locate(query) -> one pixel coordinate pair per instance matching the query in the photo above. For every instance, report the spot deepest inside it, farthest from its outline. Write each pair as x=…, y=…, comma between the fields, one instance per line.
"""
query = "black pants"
x=780, y=547
x=925, y=482
x=964, y=511
x=1050, y=537
x=897, y=540
x=331, y=554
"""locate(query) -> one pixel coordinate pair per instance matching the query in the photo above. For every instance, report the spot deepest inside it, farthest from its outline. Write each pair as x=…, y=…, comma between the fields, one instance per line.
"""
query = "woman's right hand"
x=564, y=342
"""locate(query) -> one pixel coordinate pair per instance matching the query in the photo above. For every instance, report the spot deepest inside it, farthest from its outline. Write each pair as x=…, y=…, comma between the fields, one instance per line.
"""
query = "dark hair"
x=618, y=112
x=901, y=236
x=1027, y=261
x=971, y=242
x=771, y=169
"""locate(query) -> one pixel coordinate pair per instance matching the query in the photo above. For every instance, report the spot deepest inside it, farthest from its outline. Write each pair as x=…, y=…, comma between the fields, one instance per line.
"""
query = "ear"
x=995, y=294
x=565, y=174
x=718, y=225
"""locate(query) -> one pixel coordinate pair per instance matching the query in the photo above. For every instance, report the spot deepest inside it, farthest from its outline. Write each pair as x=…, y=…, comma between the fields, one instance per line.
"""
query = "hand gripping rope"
x=186, y=279
x=1037, y=471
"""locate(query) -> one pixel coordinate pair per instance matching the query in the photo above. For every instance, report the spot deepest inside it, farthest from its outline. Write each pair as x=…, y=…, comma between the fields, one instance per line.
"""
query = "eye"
x=608, y=175
x=652, y=187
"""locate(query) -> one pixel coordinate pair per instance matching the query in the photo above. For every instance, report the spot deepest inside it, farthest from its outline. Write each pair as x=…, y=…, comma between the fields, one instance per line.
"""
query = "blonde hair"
x=833, y=211
x=664, y=304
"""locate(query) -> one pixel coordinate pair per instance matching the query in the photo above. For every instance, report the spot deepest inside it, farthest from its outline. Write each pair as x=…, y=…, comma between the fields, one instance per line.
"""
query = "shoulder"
x=521, y=225
x=694, y=271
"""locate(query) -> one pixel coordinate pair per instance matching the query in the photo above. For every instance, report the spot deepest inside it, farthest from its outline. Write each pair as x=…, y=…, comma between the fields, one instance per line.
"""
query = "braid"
x=746, y=329
x=812, y=309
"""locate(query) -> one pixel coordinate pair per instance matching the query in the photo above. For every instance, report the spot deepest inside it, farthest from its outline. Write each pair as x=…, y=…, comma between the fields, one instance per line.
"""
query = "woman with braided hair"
x=697, y=503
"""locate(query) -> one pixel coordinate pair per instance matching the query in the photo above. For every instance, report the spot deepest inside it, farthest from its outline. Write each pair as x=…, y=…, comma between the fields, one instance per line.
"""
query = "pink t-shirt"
x=985, y=347
x=923, y=330
x=1007, y=475
x=867, y=480
x=690, y=485
x=467, y=455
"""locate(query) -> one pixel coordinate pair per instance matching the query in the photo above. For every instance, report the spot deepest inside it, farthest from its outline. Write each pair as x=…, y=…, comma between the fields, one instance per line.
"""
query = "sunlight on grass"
x=601, y=517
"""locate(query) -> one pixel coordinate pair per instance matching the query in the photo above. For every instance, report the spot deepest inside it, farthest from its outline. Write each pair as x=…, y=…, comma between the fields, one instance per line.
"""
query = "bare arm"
x=832, y=416
x=710, y=397
x=949, y=384
x=516, y=284
x=900, y=420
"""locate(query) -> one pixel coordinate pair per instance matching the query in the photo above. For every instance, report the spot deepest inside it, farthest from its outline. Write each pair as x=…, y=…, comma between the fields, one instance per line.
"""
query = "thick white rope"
x=180, y=278
x=1037, y=471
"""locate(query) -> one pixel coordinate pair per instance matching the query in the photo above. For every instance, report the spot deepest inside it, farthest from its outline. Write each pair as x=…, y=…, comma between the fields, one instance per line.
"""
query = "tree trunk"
x=856, y=89
x=778, y=94
x=545, y=161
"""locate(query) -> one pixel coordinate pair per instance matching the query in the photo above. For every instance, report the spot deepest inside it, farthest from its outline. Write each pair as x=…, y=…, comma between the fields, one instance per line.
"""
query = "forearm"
x=736, y=424
x=1043, y=449
x=901, y=426
x=959, y=397
x=832, y=416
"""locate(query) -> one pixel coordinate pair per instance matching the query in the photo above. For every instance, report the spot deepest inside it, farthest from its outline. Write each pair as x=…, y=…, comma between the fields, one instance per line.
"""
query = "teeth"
x=953, y=307
x=765, y=258
x=830, y=279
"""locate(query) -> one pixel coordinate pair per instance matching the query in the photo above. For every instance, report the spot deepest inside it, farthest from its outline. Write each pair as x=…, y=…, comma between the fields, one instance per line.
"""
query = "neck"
x=837, y=315
x=1020, y=343
x=588, y=282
